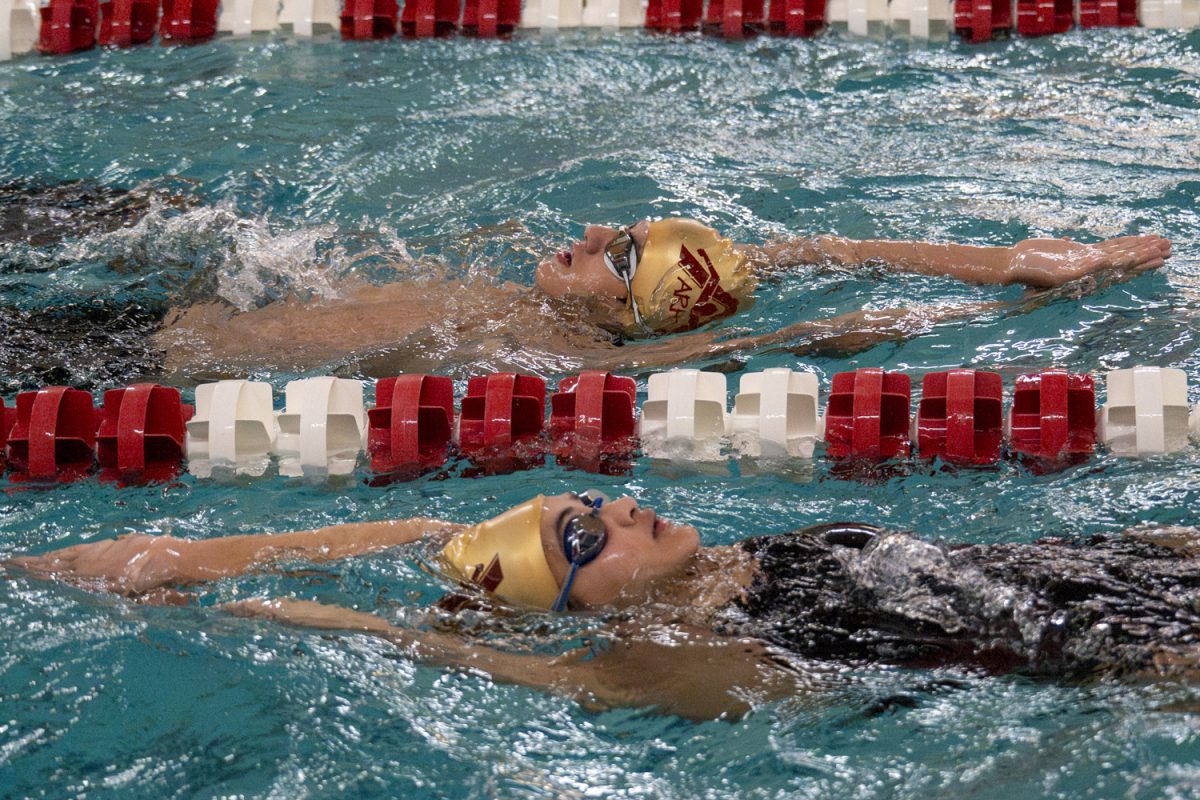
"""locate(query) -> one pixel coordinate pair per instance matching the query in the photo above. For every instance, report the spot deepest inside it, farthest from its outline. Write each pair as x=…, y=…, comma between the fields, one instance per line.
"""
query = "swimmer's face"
x=641, y=549
x=581, y=271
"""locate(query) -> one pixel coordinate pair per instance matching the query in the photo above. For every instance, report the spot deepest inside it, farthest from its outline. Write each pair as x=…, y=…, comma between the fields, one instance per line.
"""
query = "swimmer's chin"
x=687, y=535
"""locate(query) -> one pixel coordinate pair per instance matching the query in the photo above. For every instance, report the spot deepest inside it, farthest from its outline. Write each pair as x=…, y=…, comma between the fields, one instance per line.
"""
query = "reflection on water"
x=265, y=172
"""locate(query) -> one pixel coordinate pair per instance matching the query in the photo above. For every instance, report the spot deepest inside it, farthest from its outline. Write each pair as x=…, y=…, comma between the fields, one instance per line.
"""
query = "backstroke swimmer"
x=705, y=632
x=629, y=286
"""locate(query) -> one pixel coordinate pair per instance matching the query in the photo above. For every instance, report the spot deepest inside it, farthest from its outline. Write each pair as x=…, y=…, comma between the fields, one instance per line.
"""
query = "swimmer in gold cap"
x=628, y=299
x=714, y=631
x=678, y=274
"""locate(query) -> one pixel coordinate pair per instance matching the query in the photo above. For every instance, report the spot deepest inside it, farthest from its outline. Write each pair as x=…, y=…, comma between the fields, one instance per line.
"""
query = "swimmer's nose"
x=597, y=237
x=621, y=511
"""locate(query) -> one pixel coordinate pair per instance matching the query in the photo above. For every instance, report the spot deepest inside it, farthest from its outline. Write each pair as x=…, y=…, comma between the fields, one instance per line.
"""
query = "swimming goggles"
x=621, y=257
x=583, y=538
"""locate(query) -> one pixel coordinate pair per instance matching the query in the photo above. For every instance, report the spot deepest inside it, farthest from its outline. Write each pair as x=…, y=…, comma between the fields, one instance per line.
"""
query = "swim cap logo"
x=488, y=578
x=711, y=300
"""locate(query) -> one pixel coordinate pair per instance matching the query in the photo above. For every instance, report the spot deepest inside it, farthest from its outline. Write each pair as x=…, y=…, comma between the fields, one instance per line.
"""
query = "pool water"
x=304, y=164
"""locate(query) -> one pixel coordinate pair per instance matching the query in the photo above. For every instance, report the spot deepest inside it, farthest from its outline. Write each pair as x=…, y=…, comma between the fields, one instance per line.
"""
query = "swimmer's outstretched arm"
x=838, y=336
x=687, y=672
x=1034, y=262
x=135, y=564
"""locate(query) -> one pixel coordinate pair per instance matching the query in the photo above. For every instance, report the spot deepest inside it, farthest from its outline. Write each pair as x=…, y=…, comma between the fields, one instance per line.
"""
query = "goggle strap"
x=560, y=602
x=637, y=314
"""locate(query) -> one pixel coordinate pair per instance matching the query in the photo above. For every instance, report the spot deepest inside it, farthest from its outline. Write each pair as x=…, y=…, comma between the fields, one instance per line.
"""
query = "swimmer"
x=706, y=632
x=629, y=286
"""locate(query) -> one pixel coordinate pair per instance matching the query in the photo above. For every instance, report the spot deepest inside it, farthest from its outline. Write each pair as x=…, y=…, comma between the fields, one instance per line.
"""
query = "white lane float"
x=19, y=25
x=1146, y=411
x=866, y=17
x=775, y=414
x=1169, y=13
x=310, y=17
x=234, y=427
x=322, y=428
x=921, y=19
x=614, y=14
x=684, y=414
x=243, y=17
x=549, y=15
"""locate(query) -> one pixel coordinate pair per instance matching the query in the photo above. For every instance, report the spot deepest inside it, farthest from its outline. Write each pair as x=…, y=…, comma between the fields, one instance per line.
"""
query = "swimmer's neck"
x=714, y=578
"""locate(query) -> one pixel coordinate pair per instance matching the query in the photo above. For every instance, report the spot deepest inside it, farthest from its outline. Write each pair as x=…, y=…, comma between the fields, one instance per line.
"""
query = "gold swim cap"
x=504, y=555
x=687, y=274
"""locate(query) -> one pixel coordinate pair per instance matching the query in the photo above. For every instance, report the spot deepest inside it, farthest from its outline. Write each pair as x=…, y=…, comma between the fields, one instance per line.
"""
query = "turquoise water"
x=308, y=163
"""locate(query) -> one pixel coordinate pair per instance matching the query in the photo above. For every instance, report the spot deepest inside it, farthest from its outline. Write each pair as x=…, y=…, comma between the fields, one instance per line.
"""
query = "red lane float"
x=501, y=411
x=961, y=416
x=141, y=432
x=674, y=16
x=1107, y=13
x=1044, y=17
x=188, y=20
x=489, y=18
x=424, y=18
x=868, y=415
x=369, y=19
x=796, y=17
x=594, y=412
x=67, y=26
x=124, y=23
x=981, y=20
x=1053, y=415
x=54, y=436
x=411, y=424
x=8, y=416
x=735, y=18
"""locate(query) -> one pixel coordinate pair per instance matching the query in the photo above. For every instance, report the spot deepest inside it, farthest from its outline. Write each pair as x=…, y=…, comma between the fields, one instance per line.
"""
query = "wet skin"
x=642, y=550
x=581, y=270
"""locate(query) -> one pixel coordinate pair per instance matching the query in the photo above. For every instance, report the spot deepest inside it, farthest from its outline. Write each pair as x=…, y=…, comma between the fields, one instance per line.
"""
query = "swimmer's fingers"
x=56, y=563
x=1138, y=258
x=37, y=566
x=130, y=564
x=1122, y=242
x=1146, y=248
x=60, y=566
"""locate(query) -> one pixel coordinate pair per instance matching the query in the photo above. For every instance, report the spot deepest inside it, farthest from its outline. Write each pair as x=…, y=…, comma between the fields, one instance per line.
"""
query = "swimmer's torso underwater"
x=175, y=206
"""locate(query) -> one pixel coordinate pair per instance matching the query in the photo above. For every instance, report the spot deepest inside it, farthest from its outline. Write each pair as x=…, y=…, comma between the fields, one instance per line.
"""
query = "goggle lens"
x=616, y=255
x=584, y=538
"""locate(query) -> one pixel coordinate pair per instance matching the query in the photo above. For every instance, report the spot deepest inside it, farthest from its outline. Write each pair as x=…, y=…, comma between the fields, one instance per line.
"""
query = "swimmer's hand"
x=1053, y=262
x=131, y=565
